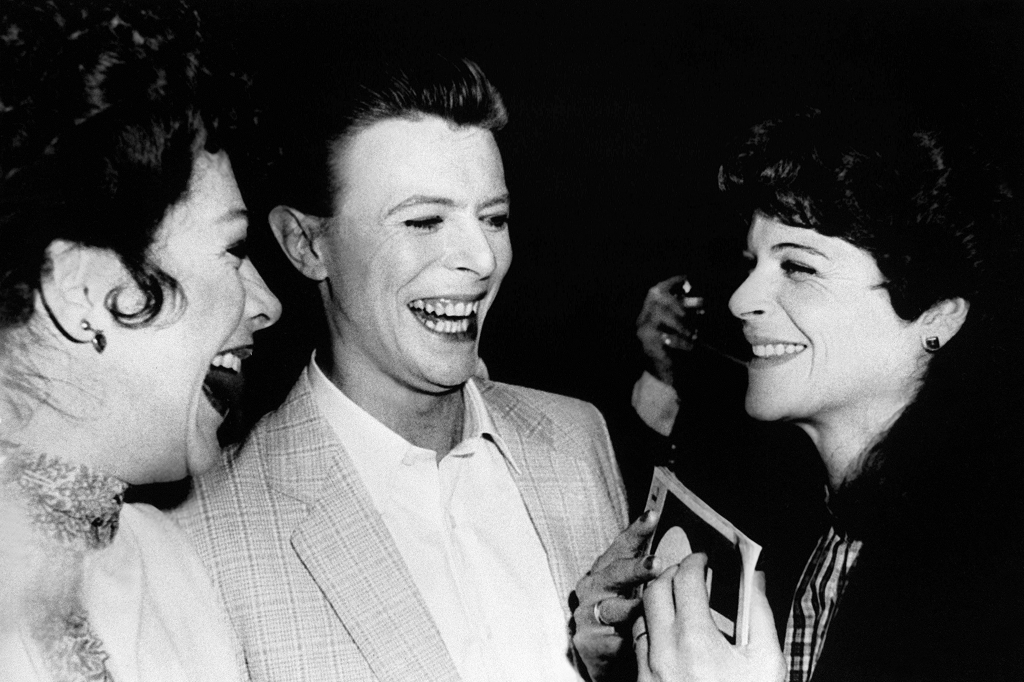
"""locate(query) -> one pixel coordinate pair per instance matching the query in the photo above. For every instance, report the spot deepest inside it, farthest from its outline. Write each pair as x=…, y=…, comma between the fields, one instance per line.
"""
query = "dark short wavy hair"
x=940, y=223
x=882, y=186
x=104, y=109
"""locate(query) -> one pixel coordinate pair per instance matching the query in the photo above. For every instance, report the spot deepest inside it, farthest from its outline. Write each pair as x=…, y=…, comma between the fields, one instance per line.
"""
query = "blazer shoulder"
x=563, y=410
x=568, y=421
x=247, y=469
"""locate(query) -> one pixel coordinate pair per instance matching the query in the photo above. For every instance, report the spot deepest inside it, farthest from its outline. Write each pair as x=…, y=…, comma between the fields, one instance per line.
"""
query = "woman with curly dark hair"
x=127, y=305
x=881, y=321
x=881, y=318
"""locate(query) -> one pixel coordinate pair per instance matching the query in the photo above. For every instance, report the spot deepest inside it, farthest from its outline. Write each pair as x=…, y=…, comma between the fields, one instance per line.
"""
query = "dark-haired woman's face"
x=180, y=369
x=826, y=341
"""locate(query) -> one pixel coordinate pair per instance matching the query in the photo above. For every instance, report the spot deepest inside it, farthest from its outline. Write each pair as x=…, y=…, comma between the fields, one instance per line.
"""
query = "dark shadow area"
x=619, y=119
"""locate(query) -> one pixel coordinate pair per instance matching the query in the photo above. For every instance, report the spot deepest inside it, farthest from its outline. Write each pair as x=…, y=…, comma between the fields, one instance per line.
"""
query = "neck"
x=52, y=431
x=50, y=404
x=844, y=439
x=428, y=420
x=42, y=409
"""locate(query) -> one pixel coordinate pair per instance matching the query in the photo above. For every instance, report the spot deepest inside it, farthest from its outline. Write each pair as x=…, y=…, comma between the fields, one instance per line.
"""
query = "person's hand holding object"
x=667, y=322
x=606, y=605
x=682, y=643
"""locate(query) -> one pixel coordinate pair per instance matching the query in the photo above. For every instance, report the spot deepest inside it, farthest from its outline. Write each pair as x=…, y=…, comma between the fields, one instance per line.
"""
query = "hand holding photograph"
x=686, y=524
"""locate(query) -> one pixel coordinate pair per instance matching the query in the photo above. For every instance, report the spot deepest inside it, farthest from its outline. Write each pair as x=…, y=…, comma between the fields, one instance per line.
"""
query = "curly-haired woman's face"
x=181, y=370
x=826, y=341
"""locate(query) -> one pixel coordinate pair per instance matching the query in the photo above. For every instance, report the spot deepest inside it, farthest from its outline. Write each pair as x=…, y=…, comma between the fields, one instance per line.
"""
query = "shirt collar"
x=478, y=422
x=365, y=438
x=373, y=447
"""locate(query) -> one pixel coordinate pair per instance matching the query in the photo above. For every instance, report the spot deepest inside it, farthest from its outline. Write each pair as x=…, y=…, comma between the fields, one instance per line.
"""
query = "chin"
x=453, y=372
x=762, y=408
x=202, y=455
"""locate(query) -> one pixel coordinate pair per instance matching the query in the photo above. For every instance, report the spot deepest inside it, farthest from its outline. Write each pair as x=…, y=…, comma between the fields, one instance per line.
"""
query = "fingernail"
x=648, y=516
x=652, y=563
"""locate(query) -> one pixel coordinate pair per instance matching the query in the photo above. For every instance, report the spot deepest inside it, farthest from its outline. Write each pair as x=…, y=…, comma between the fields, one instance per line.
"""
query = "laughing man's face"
x=416, y=251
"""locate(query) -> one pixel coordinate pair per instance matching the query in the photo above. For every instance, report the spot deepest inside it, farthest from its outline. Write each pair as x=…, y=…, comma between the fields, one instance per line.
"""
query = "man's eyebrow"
x=800, y=247
x=426, y=199
x=501, y=199
x=418, y=200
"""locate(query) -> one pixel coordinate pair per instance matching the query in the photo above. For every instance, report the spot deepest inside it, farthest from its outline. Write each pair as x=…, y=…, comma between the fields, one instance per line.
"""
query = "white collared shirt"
x=465, y=536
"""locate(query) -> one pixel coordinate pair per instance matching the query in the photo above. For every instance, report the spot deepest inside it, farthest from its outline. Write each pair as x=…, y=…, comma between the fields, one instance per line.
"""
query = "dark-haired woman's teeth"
x=772, y=349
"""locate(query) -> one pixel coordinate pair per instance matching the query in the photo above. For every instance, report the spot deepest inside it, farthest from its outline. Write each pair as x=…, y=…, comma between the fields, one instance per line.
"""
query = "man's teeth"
x=448, y=326
x=228, y=361
x=446, y=308
x=772, y=349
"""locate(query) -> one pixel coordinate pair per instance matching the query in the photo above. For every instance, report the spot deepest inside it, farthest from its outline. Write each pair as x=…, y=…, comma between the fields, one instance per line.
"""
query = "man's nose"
x=468, y=248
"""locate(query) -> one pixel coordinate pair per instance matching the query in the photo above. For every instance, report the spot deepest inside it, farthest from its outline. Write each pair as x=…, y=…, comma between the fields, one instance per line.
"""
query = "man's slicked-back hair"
x=454, y=90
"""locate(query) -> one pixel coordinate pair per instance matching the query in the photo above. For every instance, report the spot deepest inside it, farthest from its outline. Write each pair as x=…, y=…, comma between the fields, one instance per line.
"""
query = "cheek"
x=217, y=306
x=502, y=248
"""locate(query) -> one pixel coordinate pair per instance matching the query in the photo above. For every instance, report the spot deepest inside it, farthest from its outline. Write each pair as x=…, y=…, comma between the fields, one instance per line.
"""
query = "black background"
x=620, y=115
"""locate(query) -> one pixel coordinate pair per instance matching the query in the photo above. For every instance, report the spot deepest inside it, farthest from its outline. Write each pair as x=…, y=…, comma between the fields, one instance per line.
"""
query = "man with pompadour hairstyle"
x=399, y=517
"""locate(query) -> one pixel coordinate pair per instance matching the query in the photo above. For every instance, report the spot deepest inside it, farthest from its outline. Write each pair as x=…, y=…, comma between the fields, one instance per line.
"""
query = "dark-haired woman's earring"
x=932, y=344
x=99, y=339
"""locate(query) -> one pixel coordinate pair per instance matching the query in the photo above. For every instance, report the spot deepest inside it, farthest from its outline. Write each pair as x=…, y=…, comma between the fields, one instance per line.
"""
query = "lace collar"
x=69, y=503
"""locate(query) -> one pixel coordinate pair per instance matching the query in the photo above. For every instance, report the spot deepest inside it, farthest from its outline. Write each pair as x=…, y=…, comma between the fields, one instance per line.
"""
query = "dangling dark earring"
x=932, y=344
x=99, y=339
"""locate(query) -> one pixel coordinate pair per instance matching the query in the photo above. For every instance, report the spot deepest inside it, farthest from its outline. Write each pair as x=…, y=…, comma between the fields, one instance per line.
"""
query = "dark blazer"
x=936, y=594
x=938, y=589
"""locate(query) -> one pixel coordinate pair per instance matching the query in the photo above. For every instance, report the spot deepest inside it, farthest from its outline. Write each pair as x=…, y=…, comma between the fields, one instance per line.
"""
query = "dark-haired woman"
x=877, y=320
x=127, y=305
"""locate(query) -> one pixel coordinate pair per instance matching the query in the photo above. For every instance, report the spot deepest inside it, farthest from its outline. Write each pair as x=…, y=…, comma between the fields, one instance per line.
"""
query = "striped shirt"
x=816, y=601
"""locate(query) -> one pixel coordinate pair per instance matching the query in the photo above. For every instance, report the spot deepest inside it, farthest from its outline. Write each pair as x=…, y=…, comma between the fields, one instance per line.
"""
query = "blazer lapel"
x=526, y=433
x=348, y=551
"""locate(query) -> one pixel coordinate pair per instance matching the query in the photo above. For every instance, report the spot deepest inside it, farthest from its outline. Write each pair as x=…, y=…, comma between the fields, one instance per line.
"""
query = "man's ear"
x=297, y=233
x=943, y=320
x=75, y=286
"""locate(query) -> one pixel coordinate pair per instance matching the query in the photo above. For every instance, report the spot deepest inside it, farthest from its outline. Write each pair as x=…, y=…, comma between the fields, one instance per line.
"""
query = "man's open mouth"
x=224, y=381
x=451, y=318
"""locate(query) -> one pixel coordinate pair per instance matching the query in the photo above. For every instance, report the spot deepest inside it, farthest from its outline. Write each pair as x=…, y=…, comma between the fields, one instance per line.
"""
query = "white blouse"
x=116, y=594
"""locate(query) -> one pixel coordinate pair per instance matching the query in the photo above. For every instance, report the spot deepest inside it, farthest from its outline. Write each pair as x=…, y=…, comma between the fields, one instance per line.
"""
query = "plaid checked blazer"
x=312, y=580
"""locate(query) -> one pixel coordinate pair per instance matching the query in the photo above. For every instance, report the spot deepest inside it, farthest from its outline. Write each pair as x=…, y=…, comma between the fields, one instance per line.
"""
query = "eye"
x=239, y=249
x=498, y=222
x=796, y=269
x=748, y=262
x=424, y=223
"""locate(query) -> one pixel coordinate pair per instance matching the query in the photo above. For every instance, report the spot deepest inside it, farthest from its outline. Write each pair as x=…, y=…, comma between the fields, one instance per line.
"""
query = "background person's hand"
x=684, y=644
x=607, y=592
x=667, y=323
